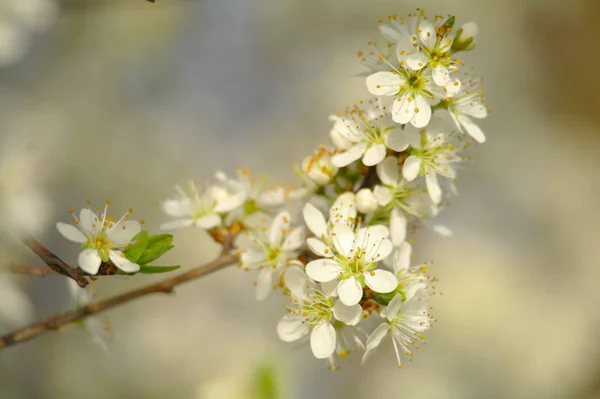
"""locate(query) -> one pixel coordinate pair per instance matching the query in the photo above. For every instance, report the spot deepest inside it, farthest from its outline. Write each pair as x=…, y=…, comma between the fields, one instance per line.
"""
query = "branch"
x=32, y=270
x=165, y=286
x=54, y=262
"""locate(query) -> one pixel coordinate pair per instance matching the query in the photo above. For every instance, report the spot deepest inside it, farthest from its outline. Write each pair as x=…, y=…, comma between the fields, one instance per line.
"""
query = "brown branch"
x=32, y=270
x=54, y=262
x=166, y=286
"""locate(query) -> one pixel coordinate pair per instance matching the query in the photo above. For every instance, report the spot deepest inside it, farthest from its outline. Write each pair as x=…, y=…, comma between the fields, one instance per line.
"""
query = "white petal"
x=398, y=224
x=318, y=247
x=291, y=328
x=343, y=238
x=350, y=291
x=264, y=283
x=422, y=112
x=375, y=339
x=403, y=110
x=471, y=128
x=382, y=195
x=442, y=230
x=124, y=232
x=417, y=61
x=394, y=307
x=315, y=221
x=347, y=157
x=402, y=257
x=343, y=209
x=427, y=33
x=374, y=155
x=208, y=222
x=252, y=258
x=379, y=250
x=71, y=232
x=322, y=340
x=397, y=140
x=389, y=33
x=349, y=315
x=231, y=202
x=177, y=208
x=388, y=171
x=323, y=270
x=297, y=282
x=384, y=83
x=89, y=261
x=177, y=224
x=329, y=288
x=433, y=187
x=122, y=262
x=381, y=281
x=87, y=220
x=411, y=167
x=440, y=75
x=280, y=222
x=293, y=240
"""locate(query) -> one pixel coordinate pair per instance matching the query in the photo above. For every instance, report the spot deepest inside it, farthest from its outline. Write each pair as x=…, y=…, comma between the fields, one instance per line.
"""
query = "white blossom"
x=370, y=130
x=310, y=310
x=100, y=329
x=203, y=209
x=467, y=103
x=349, y=256
x=436, y=156
x=401, y=197
x=405, y=321
x=102, y=238
x=271, y=251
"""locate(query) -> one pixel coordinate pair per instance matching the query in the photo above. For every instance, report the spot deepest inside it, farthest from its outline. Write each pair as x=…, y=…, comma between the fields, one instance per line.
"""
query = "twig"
x=165, y=286
x=54, y=262
x=32, y=270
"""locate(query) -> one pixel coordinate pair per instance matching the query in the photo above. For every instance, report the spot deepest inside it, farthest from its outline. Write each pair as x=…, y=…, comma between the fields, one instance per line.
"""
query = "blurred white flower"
x=19, y=20
x=102, y=239
x=16, y=309
x=24, y=208
x=99, y=328
x=203, y=209
x=272, y=249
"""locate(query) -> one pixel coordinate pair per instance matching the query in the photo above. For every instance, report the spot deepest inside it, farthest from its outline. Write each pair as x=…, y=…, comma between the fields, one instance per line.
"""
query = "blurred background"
x=121, y=99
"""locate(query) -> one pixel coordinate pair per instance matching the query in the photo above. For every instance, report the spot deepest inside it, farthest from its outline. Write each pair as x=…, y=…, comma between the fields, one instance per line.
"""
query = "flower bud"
x=465, y=38
x=319, y=167
x=365, y=201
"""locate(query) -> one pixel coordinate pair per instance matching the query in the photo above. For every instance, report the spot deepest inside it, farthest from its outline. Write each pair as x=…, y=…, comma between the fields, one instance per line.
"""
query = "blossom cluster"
x=338, y=245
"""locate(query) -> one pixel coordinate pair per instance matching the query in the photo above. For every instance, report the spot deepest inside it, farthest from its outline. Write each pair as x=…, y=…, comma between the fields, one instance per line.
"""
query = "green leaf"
x=384, y=299
x=160, y=239
x=135, y=250
x=157, y=246
x=157, y=269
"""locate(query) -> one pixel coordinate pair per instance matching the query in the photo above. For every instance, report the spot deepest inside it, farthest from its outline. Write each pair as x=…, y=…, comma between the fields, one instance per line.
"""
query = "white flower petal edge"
x=322, y=340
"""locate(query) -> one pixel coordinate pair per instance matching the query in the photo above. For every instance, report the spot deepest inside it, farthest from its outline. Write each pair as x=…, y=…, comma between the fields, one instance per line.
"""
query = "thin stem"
x=166, y=286
x=54, y=262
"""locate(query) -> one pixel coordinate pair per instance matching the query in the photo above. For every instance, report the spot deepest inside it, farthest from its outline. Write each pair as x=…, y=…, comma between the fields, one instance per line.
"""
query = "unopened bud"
x=465, y=38
x=365, y=201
